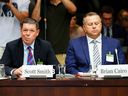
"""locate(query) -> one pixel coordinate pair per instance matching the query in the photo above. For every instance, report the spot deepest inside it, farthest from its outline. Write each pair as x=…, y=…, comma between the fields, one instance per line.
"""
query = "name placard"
x=41, y=71
x=113, y=70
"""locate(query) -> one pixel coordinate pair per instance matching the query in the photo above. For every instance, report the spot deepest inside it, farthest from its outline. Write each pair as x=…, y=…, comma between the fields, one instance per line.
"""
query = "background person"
x=110, y=28
x=75, y=29
x=54, y=17
x=11, y=14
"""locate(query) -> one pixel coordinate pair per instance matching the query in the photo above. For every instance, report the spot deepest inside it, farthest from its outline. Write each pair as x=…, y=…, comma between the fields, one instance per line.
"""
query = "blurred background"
x=96, y=5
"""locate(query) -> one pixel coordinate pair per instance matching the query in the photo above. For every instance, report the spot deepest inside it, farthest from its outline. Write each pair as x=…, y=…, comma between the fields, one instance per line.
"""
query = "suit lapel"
x=85, y=50
x=20, y=52
x=36, y=51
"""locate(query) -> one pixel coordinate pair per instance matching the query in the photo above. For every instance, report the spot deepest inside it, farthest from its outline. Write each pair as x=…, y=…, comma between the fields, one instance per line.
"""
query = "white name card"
x=113, y=70
x=41, y=71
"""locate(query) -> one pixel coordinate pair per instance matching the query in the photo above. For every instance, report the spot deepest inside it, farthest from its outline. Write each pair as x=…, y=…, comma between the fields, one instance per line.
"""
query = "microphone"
x=117, y=56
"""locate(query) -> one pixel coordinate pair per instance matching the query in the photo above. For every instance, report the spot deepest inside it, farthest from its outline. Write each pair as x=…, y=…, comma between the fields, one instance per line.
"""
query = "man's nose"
x=94, y=26
x=28, y=32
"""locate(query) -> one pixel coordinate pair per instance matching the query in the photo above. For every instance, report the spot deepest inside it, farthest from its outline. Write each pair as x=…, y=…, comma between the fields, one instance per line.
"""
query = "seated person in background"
x=110, y=28
x=123, y=22
x=75, y=29
x=85, y=53
x=16, y=52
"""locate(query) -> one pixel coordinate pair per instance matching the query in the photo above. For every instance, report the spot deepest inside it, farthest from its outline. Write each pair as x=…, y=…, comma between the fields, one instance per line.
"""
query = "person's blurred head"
x=107, y=15
x=73, y=22
x=92, y=25
x=123, y=18
x=29, y=30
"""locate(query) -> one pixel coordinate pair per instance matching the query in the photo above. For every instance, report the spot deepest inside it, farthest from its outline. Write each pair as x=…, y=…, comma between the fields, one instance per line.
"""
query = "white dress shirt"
x=90, y=46
x=26, y=53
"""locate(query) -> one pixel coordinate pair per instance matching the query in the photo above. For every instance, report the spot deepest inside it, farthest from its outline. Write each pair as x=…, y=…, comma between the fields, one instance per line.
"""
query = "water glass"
x=62, y=69
x=2, y=71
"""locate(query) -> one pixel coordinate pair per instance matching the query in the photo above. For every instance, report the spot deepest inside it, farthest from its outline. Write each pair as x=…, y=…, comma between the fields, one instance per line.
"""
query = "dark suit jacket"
x=14, y=53
x=117, y=31
x=78, y=59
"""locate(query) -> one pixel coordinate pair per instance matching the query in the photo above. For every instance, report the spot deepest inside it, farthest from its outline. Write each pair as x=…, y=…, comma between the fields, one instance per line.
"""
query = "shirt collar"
x=32, y=45
x=98, y=39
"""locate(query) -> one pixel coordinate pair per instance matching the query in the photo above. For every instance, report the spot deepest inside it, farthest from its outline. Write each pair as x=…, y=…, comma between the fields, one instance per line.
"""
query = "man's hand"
x=9, y=4
x=18, y=73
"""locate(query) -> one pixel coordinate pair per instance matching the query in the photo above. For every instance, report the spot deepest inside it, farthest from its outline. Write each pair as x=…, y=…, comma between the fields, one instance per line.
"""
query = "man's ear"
x=83, y=26
x=38, y=31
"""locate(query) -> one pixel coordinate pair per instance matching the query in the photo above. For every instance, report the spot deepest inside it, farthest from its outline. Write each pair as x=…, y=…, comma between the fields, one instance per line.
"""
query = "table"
x=78, y=87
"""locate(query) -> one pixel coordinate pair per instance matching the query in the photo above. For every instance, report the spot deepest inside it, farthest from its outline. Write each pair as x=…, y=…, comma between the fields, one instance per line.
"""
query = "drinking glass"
x=62, y=69
x=2, y=71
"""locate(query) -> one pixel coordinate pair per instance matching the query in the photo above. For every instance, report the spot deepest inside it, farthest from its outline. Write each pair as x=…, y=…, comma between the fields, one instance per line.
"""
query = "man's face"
x=92, y=26
x=107, y=19
x=125, y=20
x=29, y=32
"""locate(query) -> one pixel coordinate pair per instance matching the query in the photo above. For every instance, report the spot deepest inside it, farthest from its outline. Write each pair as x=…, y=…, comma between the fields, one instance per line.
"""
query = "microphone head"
x=117, y=56
x=116, y=50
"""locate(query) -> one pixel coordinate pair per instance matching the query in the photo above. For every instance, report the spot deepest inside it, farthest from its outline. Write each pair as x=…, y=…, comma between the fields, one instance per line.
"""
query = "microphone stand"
x=45, y=20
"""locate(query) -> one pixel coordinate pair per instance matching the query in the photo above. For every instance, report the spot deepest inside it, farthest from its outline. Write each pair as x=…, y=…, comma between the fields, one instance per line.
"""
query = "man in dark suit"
x=110, y=28
x=80, y=53
x=16, y=52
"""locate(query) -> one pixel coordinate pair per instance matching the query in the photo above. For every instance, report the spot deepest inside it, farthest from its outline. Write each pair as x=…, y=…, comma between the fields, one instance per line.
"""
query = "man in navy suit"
x=80, y=51
x=16, y=52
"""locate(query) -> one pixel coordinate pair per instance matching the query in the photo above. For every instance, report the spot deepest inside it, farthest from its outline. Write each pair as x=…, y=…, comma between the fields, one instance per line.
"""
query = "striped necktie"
x=96, y=56
x=30, y=60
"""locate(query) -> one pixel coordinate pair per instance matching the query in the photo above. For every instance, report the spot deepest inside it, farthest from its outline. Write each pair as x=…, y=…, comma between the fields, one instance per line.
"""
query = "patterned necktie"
x=96, y=56
x=30, y=60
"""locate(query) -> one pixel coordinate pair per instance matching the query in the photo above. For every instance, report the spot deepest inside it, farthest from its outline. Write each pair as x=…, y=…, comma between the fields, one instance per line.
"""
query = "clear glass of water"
x=62, y=69
x=2, y=71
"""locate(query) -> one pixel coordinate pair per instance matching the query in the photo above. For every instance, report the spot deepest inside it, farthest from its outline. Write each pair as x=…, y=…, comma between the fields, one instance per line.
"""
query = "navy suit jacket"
x=78, y=60
x=14, y=54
